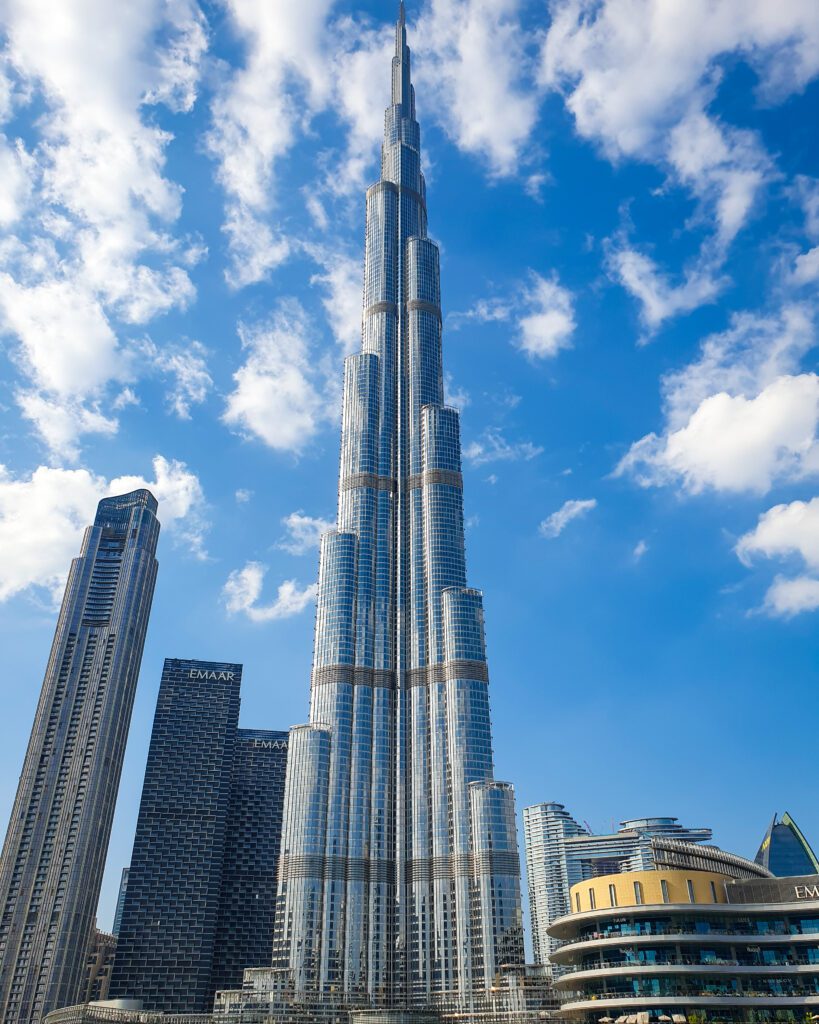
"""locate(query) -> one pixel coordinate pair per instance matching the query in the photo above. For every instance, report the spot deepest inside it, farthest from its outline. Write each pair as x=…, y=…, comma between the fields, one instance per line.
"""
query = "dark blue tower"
x=200, y=900
x=171, y=909
x=244, y=935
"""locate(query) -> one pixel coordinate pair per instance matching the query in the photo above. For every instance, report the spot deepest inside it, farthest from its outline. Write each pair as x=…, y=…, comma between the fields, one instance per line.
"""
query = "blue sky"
x=626, y=194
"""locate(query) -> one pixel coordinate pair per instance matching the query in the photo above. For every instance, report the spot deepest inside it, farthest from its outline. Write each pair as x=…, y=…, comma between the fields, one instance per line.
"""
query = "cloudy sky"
x=626, y=193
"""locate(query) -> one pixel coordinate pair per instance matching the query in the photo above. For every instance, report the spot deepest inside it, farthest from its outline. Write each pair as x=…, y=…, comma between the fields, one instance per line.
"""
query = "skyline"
x=673, y=645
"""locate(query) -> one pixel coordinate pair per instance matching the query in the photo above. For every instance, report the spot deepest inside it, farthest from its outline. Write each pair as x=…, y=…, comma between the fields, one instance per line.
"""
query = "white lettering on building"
x=198, y=673
x=806, y=892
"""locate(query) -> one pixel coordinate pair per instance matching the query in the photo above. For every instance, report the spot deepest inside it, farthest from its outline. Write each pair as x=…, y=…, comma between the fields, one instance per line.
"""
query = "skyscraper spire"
x=402, y=91
x=399, y=875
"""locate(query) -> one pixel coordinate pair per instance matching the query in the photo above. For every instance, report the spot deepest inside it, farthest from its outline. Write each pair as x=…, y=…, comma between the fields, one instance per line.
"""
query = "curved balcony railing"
x=751, y=987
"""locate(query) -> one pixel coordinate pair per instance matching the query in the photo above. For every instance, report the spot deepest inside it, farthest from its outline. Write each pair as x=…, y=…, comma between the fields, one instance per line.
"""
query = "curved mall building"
x=689, y=947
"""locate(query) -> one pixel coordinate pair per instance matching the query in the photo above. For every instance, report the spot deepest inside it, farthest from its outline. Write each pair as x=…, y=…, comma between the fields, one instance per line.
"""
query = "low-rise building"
x=689, y=947
x=101, y=952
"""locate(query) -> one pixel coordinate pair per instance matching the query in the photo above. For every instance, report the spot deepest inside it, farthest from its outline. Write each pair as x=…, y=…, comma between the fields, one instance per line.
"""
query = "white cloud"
x=788, y=597
x=484, y=311
x=125, y=398
x=660, y=300
x=42, y=518
x=343, y=291
x=640, y=549
x=454, y=396
x=735, y=443
x=634, y=72
x=243, y=495
x=93, y=203
x=256, y=114
x=15, y=173
x=277, y=397
x=806, y=267
x=557, y=522
x=68, y=346
x=60, y=421
x=178, y=61
x=638, y=76
x=492, y=446
x=741, y=417
x=304, y=532
x=254, y=247
x=805, y=191
x=543, y=311
x=549, y=325
x=188, y=370
x=471, y=77
x=784, y=530
x=243, y=589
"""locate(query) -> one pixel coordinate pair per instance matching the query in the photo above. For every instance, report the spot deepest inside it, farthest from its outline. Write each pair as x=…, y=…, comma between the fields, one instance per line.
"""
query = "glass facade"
x=399, y=880
x=785, y=851
x=200, y=898
x=54, y=854
x=123, y=888
x=561, y=852
x=737, y=958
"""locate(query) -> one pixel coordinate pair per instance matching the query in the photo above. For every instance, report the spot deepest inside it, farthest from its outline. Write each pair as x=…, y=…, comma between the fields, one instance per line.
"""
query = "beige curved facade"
x=637, y=888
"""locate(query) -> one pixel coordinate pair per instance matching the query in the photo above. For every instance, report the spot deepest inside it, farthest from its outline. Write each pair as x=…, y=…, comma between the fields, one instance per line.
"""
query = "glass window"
x=713, y=892
x=692, y=898
x=638, y=893
x=592, y=903
x=612, y=896
x=664, y=890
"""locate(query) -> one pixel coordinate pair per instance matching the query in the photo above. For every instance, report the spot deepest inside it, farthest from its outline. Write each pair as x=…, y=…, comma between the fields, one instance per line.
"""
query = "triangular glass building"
x=785, y=851
x=399, y=876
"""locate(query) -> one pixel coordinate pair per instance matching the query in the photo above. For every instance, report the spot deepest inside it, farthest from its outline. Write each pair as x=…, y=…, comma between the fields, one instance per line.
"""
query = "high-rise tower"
x=54, y=853
x=399, y=877
x=201, y=891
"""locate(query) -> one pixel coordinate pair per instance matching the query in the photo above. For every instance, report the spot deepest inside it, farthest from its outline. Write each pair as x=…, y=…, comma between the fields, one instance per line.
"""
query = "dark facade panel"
x=200, y=898
x=244, y=934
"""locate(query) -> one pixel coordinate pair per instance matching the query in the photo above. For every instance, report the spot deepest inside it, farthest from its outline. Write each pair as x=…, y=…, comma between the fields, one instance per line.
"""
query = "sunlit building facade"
x=689, y=947
x=54, y=854
x=399, y=876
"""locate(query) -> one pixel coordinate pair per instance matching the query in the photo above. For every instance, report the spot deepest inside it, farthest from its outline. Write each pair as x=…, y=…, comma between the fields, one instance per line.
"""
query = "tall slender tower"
x=399, y=877
x=57, y=840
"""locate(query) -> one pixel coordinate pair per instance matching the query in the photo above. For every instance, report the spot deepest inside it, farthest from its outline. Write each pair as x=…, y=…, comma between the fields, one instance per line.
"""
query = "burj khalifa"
x=399, y=879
